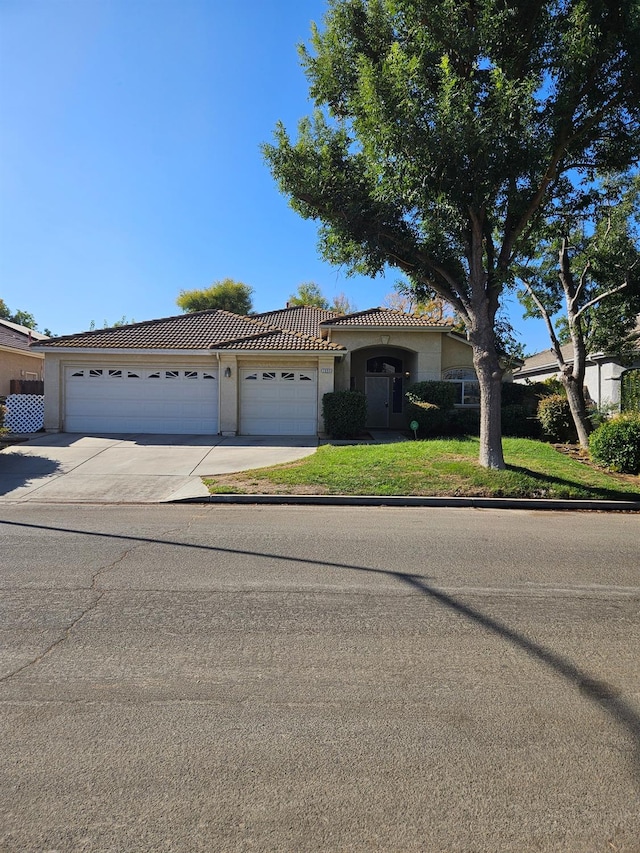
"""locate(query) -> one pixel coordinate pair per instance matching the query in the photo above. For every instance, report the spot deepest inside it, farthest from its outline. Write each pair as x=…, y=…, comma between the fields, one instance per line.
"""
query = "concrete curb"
x=414, y=501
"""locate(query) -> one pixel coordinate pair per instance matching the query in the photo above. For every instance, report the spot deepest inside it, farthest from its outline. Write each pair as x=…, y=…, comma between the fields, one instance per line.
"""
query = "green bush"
x=344, y=413
x=431, y=405
x=555, y=418
x=464, y=422
x=519, y=421
x=616, y=444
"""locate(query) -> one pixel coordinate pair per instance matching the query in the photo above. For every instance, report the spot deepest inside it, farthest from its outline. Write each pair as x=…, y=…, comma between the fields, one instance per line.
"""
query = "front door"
x=376, y=389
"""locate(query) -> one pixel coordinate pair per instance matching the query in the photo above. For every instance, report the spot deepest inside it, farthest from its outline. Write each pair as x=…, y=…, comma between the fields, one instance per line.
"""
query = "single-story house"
x=265, y=374
x=18, y=360
x=603, y=373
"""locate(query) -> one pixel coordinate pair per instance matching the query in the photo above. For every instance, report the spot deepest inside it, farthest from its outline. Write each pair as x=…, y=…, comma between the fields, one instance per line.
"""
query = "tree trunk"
x=577, y=404
x=489, y=372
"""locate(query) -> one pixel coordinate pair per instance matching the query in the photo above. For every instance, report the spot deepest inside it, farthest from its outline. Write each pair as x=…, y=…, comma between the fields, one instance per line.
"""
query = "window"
x=384, y=364
x=115, y=374
x=288, y=376
x=206, y=375
x=172, y=374
x=251, y=377
x=191, y=374
x=132, y=375
x=94, y=373
x=468, y=389
x=78, y=373
x=268, y=376
x=305, y=378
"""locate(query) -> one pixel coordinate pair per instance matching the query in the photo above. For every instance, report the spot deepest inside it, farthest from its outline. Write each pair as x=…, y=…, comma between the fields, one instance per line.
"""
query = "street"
x=237, y=678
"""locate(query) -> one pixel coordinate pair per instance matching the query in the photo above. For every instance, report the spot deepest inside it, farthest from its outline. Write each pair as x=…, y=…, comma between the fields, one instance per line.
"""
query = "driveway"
x=134, y=468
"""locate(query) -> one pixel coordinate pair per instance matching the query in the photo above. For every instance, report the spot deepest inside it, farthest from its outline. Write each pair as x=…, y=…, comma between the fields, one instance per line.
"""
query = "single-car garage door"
x=131, y=399
x=278, y=402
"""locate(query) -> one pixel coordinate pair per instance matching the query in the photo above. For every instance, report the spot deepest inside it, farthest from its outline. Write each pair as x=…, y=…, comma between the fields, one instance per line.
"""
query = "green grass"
x=438, y=467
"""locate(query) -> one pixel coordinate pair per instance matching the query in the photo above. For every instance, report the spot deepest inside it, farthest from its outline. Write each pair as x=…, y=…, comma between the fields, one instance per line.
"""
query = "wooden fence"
x=26, y=386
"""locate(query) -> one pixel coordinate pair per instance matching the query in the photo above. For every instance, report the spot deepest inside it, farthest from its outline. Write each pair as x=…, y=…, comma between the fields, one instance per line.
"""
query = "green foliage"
x=3, y=412
x=430, y=404
x=344, y=413
x=309, y=293
x=21, y=318
x=554, y=386
x=616, y=444
x=225, y=295
x=630, y=391
x=463, y=422
x=556, y=420
x=442, y=131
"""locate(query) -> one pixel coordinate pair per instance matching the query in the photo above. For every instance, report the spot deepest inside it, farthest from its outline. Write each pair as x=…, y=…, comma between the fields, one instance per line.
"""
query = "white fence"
x=25, y=412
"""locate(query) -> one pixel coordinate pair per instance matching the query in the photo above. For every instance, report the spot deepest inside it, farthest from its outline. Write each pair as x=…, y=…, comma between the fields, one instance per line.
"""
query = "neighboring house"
x=214, y=371
x=603, y=374
x=18, y=360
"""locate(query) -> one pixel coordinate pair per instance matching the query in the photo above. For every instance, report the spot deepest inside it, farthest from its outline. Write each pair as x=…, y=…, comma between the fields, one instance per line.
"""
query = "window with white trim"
x=467, y=385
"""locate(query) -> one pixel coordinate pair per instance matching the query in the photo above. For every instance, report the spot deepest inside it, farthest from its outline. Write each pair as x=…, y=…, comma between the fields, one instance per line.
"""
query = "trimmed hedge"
x=616, y=444
x=344, y=413
x=431, y=405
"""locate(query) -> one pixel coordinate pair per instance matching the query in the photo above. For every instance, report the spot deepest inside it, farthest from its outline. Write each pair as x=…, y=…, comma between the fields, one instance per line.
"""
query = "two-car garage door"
x=132, y=399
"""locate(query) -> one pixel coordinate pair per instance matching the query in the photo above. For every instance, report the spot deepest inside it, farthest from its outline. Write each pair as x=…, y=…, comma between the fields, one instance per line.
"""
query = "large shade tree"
x=442, y=131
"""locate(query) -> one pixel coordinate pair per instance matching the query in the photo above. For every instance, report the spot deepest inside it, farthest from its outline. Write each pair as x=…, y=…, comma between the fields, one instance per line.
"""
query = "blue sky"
x=130, y=166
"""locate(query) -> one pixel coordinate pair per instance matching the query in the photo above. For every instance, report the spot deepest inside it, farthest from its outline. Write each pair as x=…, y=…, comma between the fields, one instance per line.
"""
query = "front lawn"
x=438, y=467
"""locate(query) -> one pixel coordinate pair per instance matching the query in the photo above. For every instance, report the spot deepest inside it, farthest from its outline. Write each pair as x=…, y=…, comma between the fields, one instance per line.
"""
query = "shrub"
x=344, y=413
x=3, y=412
x=464, y=422
x=519, y=421
x=616, y=444
x=555, y=418
x=431, y=404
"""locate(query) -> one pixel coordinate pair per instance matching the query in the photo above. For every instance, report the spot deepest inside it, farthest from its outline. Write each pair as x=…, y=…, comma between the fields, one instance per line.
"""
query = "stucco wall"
x=455, y=353
x=14, y=365
x=424, y=343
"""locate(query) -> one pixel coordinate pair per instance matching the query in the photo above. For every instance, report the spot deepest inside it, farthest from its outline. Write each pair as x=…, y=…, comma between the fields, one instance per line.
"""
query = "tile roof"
x=385, y=317
x=185, y=331
x=295, y=329
x=301, y=318
x=546, y=358
x=279, y=339
x=201, y=330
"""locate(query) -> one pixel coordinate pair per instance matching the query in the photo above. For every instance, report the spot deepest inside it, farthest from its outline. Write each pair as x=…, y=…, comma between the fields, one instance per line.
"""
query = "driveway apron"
x=134, y=468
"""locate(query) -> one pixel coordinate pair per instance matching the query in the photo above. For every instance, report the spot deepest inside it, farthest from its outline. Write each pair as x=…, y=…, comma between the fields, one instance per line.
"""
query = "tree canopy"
x=225, y=295
x=443, y=129
x=310, y=293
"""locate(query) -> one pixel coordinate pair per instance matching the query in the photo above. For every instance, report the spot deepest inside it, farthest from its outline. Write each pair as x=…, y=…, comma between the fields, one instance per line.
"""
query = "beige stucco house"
x=266, y=374
x=18, y=359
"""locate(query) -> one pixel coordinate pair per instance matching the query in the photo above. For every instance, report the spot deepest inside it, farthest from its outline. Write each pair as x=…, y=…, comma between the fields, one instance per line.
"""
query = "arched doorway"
x=384, y=387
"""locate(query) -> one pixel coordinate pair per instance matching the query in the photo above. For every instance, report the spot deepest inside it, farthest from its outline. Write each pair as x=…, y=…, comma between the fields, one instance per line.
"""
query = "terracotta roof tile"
x=278, y=339
x=185, y=331
x=302, y=318
x=385, y=317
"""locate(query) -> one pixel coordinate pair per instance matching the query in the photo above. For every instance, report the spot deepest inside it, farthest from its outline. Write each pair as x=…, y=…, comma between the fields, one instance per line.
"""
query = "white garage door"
x=278, y=402
x=131, y=399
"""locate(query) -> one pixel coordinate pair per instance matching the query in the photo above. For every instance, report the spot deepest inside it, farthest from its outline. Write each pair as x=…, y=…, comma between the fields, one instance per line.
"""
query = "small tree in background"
x=225, y=295
x=586, y=265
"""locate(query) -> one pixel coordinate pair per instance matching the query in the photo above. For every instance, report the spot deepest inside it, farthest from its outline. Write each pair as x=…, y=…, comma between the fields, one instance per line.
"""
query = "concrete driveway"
x=133, y=468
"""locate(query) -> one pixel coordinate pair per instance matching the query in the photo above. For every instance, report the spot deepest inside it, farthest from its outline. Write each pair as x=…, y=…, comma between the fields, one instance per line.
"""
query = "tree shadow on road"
x=606, y=696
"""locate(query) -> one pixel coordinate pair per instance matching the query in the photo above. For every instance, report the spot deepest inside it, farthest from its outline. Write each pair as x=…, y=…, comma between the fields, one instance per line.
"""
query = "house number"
x=326, y=370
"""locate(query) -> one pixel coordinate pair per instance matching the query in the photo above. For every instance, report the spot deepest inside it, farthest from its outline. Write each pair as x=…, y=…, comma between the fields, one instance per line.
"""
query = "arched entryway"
x=383, y=374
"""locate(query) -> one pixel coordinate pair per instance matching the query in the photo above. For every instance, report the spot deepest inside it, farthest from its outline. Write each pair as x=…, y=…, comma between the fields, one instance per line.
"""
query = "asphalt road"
x=208, y=678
